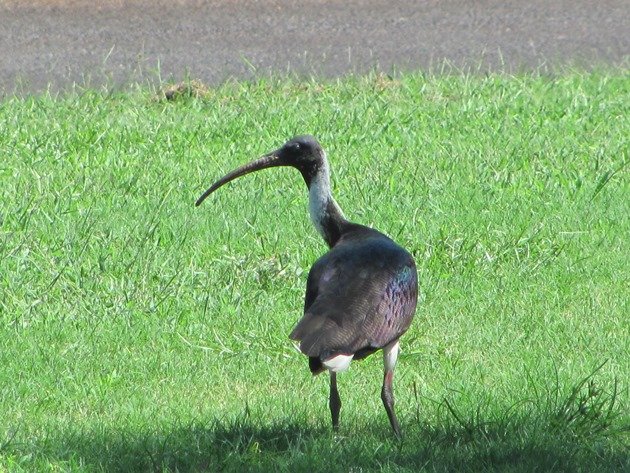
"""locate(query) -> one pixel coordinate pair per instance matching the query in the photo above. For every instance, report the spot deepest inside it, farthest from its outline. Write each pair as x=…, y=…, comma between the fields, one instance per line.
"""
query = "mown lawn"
x=139, y=333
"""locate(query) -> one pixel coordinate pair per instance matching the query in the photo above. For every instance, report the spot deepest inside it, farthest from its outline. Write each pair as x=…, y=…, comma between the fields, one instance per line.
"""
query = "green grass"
x=138, y=333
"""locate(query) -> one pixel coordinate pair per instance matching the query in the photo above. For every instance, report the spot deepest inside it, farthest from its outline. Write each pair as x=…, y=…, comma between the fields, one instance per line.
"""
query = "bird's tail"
x=315, y=365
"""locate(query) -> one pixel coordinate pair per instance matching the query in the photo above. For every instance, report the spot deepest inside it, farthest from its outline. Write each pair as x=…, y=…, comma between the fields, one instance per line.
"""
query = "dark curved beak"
x=268, y=161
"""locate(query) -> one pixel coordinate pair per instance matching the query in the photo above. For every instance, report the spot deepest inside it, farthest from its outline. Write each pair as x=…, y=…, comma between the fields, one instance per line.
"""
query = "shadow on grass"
x=585, y=430
x=245, y=446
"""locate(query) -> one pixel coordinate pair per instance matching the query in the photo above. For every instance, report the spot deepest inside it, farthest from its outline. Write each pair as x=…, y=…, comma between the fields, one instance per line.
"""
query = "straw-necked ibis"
x=360, y=296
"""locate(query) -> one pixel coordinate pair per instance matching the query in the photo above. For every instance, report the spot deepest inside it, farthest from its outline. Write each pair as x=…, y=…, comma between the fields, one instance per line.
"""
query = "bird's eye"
x=296, y=146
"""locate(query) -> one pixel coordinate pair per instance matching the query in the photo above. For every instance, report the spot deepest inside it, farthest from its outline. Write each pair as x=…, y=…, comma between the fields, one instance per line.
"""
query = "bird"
x=361, y=295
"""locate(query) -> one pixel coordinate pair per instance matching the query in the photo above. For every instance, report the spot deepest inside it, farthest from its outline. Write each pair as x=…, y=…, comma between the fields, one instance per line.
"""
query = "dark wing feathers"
x=360, y=295
x=397, y=306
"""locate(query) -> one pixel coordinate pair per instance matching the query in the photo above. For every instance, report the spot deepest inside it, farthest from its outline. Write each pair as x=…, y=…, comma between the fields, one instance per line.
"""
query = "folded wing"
x=360, y=296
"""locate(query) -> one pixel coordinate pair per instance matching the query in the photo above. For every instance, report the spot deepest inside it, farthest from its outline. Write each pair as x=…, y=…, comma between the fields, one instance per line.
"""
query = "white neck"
x=321, y=202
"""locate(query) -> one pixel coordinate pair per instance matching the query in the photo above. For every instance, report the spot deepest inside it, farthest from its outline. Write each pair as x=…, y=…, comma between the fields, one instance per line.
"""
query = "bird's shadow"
x=247, y=445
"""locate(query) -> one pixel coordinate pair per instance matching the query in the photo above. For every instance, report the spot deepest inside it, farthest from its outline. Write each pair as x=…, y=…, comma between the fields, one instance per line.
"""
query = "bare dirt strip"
x=61, y=42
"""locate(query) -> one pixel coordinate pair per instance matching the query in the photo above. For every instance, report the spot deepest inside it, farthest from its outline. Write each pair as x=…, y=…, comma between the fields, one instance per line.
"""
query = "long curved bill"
x=269, y=160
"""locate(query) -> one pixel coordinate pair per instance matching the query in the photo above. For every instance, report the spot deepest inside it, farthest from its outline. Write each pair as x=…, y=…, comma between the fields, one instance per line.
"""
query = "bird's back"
x=360, y=296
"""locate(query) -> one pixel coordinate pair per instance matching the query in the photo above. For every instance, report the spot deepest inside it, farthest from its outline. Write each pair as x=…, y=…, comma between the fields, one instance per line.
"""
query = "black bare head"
x=305, y=154
x=302, y=152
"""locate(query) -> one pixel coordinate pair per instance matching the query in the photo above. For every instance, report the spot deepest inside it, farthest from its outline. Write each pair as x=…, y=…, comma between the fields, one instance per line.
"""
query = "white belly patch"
x=338, y=363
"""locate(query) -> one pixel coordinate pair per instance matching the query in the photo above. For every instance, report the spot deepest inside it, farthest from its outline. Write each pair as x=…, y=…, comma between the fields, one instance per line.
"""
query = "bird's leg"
x=390, y=354
x=334, y=402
